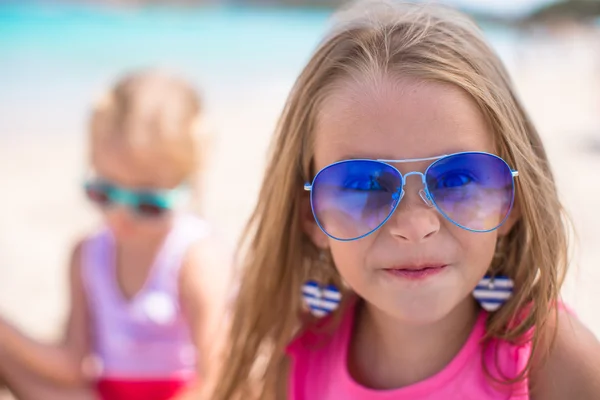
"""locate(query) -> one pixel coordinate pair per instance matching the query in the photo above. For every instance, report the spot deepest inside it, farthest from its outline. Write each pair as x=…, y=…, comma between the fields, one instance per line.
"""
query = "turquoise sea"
x=54, y=57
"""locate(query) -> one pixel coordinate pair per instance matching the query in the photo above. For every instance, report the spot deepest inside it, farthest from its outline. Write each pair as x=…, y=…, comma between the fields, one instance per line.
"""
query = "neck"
x=139, y=254
x=387, y=353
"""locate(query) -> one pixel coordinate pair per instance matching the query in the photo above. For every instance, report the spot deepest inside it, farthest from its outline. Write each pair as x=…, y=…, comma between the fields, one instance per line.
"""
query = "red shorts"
x=115, y=389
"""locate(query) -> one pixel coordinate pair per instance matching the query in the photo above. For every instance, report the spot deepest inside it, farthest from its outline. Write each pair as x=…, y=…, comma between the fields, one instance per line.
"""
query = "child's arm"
x=204, y=283
x=572, y=369
x=60, y=363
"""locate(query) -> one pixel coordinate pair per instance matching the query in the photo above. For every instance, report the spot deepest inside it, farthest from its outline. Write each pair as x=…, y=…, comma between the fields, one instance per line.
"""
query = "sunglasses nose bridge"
x=417, y=173
x=422, y=192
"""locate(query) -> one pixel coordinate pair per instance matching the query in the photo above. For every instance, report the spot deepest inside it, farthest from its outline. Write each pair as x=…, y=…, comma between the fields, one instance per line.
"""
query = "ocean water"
x=225, y=40
x=54, y=58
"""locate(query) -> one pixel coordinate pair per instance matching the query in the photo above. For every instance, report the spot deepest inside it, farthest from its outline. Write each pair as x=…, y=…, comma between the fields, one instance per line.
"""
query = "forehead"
x=398, y=119
x=135, y=168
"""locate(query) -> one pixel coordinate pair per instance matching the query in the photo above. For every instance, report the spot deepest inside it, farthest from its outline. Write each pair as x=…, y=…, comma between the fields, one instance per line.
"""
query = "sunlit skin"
x=405, y=119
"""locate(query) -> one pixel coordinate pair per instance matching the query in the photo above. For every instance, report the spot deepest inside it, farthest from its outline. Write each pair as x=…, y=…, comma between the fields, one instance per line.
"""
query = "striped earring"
x=493, y=291
x=321, y=301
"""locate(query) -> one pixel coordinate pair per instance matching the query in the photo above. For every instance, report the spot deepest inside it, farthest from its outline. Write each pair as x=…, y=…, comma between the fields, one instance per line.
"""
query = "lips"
x=417, y=267
x=416, y=271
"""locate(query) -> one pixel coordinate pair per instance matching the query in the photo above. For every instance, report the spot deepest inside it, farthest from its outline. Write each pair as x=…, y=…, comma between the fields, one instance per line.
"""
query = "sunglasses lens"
x=150, y=210
x=152, y=205
x=351, y=199
x=98, y=194
x=473, y=190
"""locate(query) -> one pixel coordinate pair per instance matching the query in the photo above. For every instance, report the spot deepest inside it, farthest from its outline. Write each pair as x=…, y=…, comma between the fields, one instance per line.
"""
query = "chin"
x=423, y=317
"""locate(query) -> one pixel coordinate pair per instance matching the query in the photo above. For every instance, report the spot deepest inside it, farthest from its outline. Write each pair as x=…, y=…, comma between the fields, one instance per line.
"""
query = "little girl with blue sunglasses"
x=408, y=241
x=145, y=298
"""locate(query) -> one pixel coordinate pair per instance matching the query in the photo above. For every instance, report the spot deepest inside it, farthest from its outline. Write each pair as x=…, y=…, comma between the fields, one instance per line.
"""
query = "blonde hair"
x=430, y=43
x=151, y=112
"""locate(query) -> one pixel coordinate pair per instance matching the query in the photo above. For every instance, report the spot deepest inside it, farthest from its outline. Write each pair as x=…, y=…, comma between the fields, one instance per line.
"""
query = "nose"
x=414, y=219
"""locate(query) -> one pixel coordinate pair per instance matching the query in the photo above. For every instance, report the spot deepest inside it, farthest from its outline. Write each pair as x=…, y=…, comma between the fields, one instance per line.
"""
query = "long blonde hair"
x=429, y=43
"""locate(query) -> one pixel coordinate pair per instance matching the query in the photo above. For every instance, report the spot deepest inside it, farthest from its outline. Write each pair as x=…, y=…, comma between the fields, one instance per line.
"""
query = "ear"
x=513, y=217
x=309, y=225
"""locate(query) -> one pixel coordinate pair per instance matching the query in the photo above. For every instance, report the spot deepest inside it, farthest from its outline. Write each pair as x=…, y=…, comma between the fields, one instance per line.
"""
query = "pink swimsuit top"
x=319, y=370
x=146, y=337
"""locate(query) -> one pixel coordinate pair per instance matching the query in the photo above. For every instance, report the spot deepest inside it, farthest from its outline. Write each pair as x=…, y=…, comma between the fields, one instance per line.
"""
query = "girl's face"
x=418, y=266
x=144, y=183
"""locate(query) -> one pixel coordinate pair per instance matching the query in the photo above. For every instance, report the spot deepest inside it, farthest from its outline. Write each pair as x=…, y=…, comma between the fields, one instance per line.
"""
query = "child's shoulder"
x=206, y=251
x=88, y=239
x=207, y=263
x=83, y=242
x=205, y=282
x=572, y=367
x=205, y=245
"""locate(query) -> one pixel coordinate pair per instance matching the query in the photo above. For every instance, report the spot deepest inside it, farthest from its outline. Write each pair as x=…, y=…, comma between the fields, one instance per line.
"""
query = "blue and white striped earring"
x=321, y=301
x=493, y=291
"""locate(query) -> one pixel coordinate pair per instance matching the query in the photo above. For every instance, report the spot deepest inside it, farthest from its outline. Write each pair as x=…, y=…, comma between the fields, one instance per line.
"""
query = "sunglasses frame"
x=131, y=198
x=424, y=193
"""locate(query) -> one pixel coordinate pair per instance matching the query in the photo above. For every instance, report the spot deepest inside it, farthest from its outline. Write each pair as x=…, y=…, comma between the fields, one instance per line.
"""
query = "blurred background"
x=243, y=56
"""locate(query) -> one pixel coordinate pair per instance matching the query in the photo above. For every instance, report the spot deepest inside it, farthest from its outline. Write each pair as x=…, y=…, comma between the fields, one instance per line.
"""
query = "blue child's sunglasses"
x=142, y=203
x=353, y=198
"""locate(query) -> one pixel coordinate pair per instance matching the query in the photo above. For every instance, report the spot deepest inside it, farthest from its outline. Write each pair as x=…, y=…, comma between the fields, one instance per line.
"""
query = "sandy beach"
x=42, y=210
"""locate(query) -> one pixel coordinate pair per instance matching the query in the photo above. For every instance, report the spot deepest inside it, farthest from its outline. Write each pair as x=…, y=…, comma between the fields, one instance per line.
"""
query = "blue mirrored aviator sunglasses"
x=142, y=203
x=351, y=199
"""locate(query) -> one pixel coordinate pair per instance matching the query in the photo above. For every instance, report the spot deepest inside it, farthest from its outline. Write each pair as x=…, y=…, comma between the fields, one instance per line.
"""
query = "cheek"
x=477, y=251
x=350, y=259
